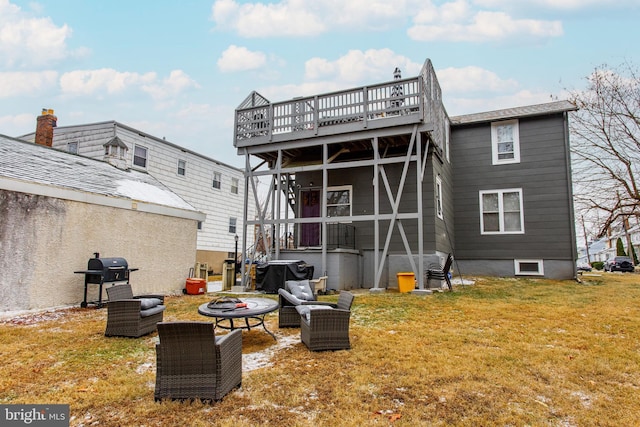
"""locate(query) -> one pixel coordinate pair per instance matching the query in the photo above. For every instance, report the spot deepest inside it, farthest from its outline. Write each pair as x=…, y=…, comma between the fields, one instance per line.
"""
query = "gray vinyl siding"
x=541, y=174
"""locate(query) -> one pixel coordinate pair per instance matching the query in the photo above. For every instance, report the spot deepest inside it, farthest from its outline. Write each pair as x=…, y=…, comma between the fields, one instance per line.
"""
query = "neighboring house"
x=212, y=187
x=57, y=209
x=378, y=180
x=606, y=247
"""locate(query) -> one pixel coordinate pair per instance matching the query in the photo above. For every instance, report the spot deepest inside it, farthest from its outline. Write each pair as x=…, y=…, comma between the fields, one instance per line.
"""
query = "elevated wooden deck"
x=345, y=111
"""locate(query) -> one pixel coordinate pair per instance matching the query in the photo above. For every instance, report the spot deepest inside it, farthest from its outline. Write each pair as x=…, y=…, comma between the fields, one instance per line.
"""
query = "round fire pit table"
x=253, y=314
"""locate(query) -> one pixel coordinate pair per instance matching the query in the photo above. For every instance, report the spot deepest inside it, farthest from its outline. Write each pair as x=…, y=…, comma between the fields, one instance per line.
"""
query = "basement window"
x=529, y=267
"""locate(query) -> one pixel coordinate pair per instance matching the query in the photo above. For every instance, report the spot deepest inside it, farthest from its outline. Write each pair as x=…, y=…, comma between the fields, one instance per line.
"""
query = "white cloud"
x=238, y=58
x=87, y=82
x=355, y=68
x=286, y=18
x=361, y=67
x=13, y=125
x=457, y=22
x=473, y=79
x=177, y=82
x=310, y=17
x=27, y=83
x=110, y=81
x=26, y=41
x=565, y=5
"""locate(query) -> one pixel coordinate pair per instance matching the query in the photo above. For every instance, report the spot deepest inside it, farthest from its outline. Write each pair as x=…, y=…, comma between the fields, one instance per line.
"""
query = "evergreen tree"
x=634, y=256
x=620, y=248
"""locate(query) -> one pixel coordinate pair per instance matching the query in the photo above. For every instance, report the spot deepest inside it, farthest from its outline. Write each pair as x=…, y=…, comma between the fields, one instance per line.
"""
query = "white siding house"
x=57, y=209
x=212, y=187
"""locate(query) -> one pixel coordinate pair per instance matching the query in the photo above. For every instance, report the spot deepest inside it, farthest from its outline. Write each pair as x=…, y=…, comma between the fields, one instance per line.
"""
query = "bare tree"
x=605, y=133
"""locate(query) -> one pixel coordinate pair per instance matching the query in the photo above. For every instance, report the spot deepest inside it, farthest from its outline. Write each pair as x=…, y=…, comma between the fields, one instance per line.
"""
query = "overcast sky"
x=178, y=69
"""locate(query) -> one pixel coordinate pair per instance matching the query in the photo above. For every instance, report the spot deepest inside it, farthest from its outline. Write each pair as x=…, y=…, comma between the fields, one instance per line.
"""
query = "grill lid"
x=106, y=264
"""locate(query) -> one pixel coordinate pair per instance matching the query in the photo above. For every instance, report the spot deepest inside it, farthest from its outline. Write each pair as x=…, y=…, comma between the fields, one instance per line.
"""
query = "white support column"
x=376, y=213
x=419, y=189
x=277, y=206
x=247, y=177
x=323, y=205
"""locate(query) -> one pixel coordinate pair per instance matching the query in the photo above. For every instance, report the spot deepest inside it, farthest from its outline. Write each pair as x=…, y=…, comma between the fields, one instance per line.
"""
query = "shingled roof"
x=70, y=176
x=514, y=113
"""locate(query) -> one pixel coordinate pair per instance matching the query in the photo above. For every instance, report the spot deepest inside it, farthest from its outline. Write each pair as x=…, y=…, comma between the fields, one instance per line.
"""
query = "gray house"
x=373, y=181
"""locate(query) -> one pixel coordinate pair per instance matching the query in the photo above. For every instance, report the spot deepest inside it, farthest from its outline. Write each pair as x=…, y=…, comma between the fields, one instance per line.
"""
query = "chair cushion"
x=305, y=310
x=300, y=289
x=147, y=303
x=153, y=310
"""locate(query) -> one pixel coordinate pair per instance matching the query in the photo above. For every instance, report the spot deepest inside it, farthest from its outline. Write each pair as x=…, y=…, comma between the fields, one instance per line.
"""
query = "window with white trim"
x=505, y=142
x=182, y=167
x=438, y=194
x=339, y=200
x=232, y=225
x=501, y=212
x=529, y=267
x=140, y=156
x=217, y=179
x=234, y=185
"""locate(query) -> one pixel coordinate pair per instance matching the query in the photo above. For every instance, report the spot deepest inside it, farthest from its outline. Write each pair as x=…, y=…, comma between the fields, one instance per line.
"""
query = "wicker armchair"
x=288, y=317
x=129, y=316
x=192, y=363
x=326, y=328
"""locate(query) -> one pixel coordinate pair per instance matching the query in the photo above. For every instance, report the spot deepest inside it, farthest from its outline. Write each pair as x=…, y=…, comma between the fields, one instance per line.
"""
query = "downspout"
x=574, y=249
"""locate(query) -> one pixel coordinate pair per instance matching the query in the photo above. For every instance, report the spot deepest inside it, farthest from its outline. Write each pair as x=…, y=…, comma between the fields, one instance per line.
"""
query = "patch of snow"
x=144, y=192
x=262, y=359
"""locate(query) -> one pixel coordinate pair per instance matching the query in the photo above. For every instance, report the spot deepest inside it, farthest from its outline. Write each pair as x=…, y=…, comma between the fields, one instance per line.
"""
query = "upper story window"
x=339, y=201
x=217, y=180
x=182, y=167
x=140, y=154
x=232, y=225
x=234, y=185
x=505, y=142
x=439, y=198
x=501, y=212
x=72, y=147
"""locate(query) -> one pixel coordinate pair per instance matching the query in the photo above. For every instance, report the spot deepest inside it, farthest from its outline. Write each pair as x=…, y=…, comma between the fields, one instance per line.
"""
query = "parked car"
x=584, y=266
x=619, y=263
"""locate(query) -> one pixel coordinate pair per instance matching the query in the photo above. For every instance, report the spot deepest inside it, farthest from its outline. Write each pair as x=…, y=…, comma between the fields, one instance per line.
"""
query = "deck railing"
x=308, y=114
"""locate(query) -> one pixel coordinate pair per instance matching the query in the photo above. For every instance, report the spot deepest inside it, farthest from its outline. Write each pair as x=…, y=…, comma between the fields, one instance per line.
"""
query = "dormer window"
x=115, y=148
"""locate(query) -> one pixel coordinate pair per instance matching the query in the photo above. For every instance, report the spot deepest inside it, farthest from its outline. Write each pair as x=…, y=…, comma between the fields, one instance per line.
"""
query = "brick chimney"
x=44, y=129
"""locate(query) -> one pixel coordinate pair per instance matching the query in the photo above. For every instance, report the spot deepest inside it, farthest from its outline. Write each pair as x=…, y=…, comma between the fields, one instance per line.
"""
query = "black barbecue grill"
x=104, y=270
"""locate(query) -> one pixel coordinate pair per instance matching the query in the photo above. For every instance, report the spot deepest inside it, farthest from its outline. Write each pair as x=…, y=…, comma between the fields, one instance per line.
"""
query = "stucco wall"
x=43, y=240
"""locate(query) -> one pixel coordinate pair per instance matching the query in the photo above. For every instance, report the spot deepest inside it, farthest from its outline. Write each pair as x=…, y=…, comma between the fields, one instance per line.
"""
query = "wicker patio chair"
x=193, y=363
x=129, y=316
x=296, y=292
x=326, y=328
